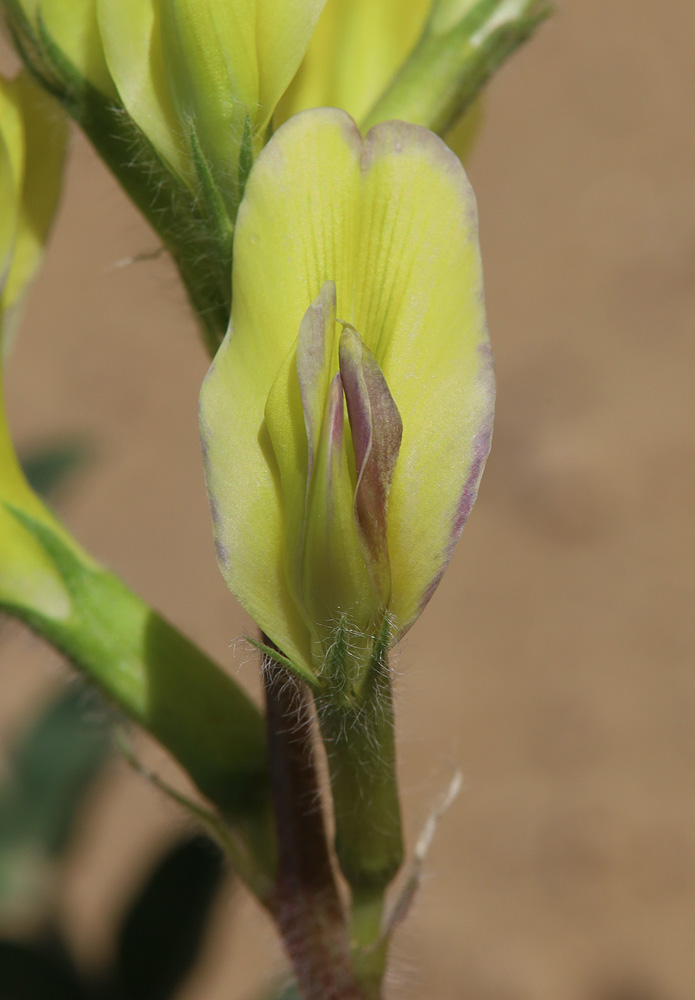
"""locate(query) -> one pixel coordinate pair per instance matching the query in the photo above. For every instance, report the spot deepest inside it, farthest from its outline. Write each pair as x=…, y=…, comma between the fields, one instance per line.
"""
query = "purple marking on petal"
x=356, y=395
x=376, y=435
x=314, y=351
x=481, y=449
x=215, y=511
x=480, y=452
x=216, y=517
x=334, y=416
x=222, y=553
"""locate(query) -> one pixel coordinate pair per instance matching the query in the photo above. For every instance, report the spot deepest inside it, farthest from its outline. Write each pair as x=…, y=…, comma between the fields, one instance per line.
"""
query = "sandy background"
x=555, y=664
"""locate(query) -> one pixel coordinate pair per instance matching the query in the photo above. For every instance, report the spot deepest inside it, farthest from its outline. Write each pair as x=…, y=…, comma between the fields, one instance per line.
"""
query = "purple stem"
x=305, y=901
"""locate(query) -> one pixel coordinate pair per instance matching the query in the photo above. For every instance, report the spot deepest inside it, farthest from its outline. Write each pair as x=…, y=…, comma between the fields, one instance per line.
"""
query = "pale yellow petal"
x=357, y=47
x=419, y=305
x=72, y=25
x=293, y=416
x=296, y=229
x=44, y=131
x=131, y=33
x=278, y=272
x=245, y=495
x=11, y=168
x=283, y=32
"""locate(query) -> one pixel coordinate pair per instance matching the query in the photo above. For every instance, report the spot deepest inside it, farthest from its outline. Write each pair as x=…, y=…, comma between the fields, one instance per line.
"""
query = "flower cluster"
x=347, y=415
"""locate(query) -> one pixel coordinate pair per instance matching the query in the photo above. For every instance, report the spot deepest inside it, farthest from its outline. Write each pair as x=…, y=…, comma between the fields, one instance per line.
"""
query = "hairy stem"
x=305, y=900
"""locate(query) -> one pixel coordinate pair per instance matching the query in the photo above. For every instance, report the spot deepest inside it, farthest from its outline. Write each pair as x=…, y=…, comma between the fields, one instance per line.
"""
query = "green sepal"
x=337, y=669
x=297, y=669
x=215, y=202
x=200, y=242
x=246, y=154
x=358, y=734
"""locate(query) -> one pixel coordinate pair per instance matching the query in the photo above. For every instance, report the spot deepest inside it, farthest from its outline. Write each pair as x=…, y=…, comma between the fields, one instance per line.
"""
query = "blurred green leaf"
x=164, y=929
x=56, y=762
x=288, y=991
x=49, y=466
x=37, y=971
x=51, y=768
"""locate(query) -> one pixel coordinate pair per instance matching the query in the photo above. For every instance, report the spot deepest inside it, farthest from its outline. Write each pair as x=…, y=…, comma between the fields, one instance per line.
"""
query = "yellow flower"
x=32, y=144
x=357, y=47
x=347, y=416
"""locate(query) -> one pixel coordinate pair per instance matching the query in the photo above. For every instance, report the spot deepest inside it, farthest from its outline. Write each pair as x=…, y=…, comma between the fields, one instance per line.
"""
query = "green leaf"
x=52, y=768
x=283, y=991
x=49, y=466
x=56, y=763
x=161, y=936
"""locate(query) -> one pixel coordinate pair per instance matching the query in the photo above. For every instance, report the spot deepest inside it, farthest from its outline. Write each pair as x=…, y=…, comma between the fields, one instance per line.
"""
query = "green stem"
x=369, y=944
x=358, y=734
x=447, y=69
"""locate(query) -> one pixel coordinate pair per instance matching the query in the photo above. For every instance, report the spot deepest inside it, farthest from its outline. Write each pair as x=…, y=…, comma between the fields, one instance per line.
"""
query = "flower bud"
x=131, y=31
x=73, y=28
x=228, y=64
x=62, y=41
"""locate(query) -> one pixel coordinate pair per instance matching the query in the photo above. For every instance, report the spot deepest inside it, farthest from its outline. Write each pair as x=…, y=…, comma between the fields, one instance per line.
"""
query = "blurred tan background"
x=555, y=664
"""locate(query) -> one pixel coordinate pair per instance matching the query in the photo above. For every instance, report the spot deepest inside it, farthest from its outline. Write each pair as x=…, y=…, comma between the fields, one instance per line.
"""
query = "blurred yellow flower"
x=32, y=145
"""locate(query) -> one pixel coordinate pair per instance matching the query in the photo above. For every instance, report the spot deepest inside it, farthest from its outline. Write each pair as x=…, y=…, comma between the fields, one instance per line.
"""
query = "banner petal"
x=390, y=222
